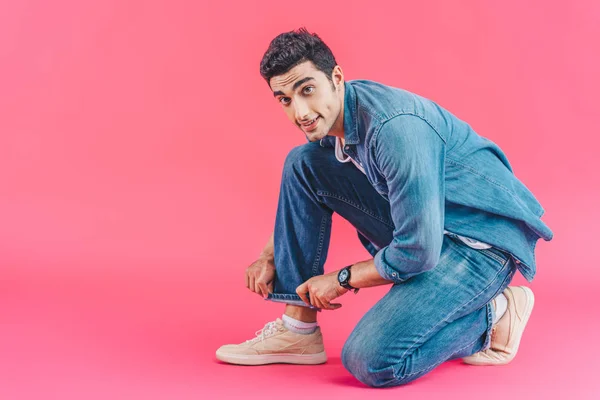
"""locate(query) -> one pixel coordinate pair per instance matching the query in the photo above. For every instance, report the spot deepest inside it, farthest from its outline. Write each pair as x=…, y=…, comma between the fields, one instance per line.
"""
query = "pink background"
x=140, y=160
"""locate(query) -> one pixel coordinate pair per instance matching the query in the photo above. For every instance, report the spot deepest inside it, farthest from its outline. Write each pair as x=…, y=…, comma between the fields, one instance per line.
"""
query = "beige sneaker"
x=275, y=344
x=507, y=333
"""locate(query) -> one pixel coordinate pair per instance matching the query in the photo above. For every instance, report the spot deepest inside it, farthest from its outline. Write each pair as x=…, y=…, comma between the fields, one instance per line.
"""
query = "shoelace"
x=269, y=329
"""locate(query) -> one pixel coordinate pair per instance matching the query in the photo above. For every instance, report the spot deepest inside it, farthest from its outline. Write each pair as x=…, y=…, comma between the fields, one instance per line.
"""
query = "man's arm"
x=320, y=290
x=260, y=274
x=364, y=274
x=269, y=249
x=410, y=154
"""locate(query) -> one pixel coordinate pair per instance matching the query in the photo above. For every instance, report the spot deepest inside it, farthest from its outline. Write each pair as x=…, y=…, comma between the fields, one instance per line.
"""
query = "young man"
x=436, y=205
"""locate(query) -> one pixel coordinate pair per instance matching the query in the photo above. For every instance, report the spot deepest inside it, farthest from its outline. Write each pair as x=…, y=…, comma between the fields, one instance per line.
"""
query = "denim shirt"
x=437, y=174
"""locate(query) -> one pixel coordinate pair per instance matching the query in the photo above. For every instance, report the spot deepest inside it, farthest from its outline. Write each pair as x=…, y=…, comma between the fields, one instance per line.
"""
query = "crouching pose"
x=436, y=205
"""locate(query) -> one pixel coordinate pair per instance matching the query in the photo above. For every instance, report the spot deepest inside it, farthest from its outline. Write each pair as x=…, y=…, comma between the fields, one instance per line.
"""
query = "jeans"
x=435, y=316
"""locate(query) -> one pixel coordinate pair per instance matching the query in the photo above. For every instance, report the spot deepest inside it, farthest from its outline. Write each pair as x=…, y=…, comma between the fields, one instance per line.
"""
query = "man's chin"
x=315, y=137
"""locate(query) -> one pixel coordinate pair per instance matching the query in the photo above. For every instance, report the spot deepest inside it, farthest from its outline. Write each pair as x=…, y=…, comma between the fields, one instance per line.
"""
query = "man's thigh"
x=341, y=188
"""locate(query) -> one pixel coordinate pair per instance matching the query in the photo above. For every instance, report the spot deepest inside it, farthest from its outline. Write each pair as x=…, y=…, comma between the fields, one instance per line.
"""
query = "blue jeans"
x=438, y=315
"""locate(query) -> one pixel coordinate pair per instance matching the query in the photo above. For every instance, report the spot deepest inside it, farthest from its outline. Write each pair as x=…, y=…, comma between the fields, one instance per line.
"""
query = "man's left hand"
x=322, y=290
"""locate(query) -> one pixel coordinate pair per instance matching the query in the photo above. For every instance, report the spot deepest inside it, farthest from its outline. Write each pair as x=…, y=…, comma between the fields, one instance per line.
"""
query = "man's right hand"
x=260, y=275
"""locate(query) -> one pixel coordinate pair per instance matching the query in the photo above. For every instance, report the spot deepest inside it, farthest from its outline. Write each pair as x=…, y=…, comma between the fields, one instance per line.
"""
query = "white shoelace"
x=269, y=329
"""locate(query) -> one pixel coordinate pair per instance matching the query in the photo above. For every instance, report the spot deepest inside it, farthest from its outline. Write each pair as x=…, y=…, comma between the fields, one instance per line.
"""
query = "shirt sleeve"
x=410, y=154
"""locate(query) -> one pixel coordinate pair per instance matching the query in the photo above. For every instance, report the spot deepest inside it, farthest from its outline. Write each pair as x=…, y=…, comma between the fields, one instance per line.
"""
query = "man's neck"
x=338, y=127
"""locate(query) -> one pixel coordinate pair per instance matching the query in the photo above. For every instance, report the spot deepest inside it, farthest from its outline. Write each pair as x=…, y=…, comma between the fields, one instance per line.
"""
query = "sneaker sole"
x=303, y=359
x=528, y=309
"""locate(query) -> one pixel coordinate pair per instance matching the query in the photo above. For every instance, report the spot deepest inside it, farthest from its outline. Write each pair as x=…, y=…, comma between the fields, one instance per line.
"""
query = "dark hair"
x=295, y=47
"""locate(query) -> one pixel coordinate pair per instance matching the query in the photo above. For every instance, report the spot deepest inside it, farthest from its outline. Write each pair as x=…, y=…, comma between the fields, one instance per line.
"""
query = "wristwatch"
x=344, y=279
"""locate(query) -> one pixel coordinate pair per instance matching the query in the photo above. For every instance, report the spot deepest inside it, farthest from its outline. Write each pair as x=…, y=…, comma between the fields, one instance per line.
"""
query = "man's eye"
x=311, y=89
x=283, y=100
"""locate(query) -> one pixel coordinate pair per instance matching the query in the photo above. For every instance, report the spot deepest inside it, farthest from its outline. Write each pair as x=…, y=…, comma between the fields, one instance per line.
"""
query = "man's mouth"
x=310, y=125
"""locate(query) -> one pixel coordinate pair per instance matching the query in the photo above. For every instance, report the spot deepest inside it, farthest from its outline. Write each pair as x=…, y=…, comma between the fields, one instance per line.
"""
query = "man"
x=434, y=203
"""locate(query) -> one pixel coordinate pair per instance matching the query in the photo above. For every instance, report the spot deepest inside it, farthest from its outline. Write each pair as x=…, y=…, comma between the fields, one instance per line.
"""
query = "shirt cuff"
x=385, y=269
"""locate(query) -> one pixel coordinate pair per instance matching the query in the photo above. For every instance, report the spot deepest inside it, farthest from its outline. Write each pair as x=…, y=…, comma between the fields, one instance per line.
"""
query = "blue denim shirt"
x=437, y=173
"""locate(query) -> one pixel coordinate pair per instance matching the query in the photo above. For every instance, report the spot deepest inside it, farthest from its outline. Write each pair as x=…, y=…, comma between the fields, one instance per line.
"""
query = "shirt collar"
x=350, y=116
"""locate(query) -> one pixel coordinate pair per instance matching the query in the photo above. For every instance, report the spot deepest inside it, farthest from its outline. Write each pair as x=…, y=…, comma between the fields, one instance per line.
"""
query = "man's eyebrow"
x=298, y=83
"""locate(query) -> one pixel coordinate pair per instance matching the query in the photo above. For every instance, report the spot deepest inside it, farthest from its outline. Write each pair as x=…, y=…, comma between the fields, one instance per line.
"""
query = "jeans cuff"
x=292, y=299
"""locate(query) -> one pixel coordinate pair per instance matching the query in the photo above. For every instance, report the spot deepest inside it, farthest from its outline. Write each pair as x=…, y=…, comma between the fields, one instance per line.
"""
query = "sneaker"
x=507, y=333
x=276, y=344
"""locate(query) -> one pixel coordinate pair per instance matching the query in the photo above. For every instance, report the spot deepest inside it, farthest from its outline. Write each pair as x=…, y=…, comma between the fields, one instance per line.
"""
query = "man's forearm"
x=364, y=274
x=269, y=250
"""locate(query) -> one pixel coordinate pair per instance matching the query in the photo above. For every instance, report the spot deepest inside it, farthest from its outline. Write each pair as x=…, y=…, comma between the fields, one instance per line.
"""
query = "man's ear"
x=338, y=76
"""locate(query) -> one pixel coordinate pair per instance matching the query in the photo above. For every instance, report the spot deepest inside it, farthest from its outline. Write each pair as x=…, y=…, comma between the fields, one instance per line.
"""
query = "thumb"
x=301, y=288
x=335, y=306
x=301, y=291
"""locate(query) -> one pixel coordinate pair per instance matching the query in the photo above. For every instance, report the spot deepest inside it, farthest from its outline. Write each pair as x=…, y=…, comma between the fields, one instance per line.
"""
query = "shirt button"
x=394, y=274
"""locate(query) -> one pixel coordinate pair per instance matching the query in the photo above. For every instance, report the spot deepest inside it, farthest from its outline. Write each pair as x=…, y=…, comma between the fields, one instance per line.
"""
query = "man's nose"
x=302, y=111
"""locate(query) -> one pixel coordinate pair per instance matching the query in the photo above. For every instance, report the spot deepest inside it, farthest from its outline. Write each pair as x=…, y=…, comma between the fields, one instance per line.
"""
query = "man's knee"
x=367, y=363
x=301, y=159
x=303, y=153
x=362, y=362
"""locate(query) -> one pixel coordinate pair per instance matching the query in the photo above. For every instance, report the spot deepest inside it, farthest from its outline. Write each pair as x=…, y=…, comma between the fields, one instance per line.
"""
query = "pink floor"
x=149, y=334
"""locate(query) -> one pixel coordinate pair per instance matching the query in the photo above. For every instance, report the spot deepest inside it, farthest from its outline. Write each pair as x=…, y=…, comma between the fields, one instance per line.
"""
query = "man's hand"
x=260, y=276
x=322, y=289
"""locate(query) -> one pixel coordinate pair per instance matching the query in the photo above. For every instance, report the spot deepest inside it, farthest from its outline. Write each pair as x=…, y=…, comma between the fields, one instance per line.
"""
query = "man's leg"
x=313, y=185
x=439, y=315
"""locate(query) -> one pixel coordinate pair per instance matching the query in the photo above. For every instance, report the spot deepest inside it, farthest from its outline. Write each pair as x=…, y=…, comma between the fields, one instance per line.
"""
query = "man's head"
x=306, y=80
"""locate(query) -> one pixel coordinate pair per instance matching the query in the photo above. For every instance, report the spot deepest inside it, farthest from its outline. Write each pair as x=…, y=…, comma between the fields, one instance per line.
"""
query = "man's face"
x=310, y=101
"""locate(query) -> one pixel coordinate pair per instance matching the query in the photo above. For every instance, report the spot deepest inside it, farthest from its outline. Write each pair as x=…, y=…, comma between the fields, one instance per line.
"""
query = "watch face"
x=343, y=276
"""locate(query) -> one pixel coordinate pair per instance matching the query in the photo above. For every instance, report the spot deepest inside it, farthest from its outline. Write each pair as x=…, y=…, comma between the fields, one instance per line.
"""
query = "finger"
x=251, y=284
x=257, y=287
x=322, y=301
x=317, y=302
x=263, y=289
x=301, y=291
x=247, y=279
x=328, y=306
x=270, y=287
x=304, y=297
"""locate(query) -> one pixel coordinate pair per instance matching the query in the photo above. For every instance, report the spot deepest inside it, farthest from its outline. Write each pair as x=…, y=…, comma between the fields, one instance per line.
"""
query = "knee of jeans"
x=367, y=364
x=363, y=363
x=301, y=156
